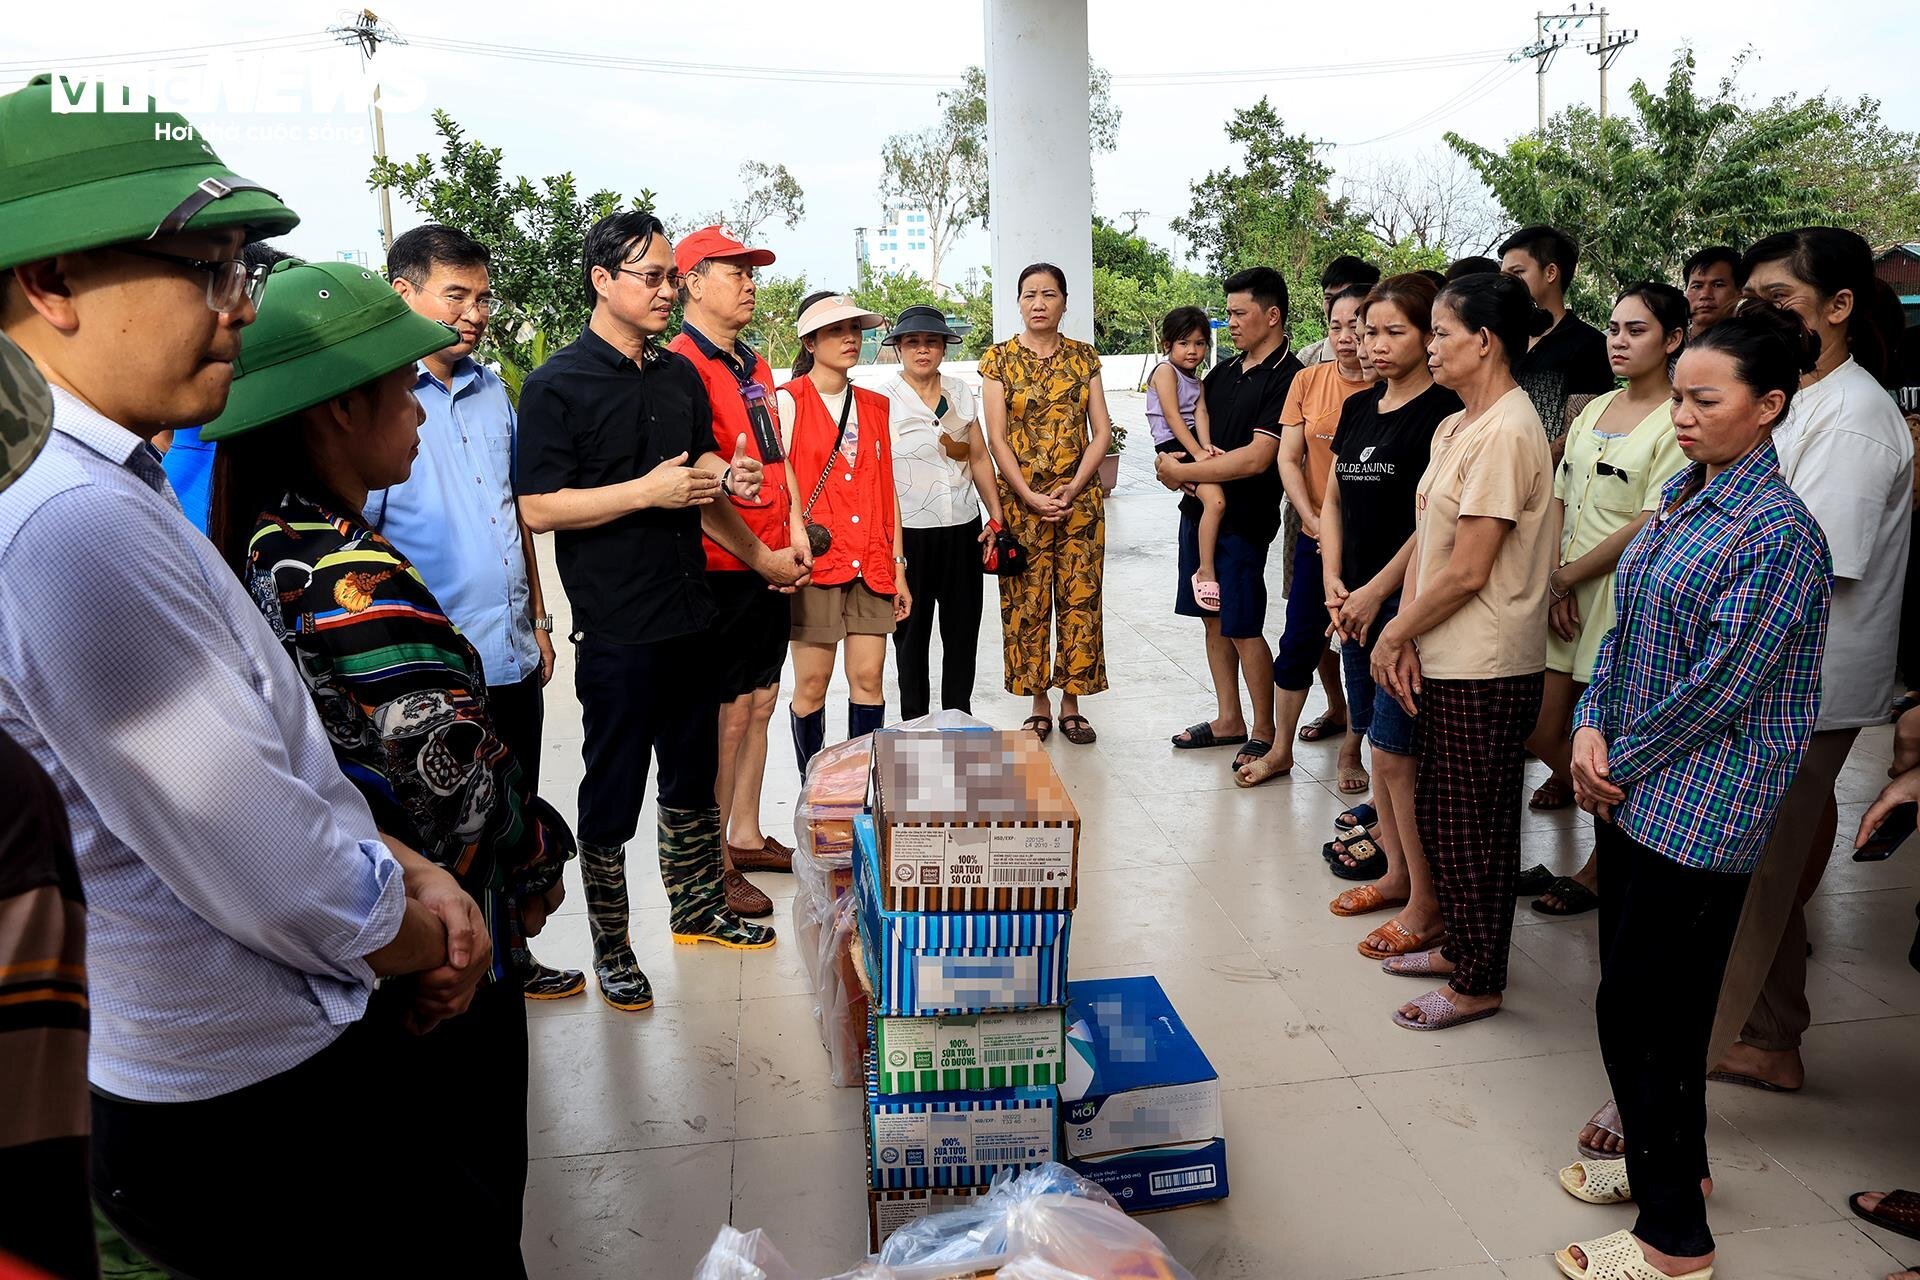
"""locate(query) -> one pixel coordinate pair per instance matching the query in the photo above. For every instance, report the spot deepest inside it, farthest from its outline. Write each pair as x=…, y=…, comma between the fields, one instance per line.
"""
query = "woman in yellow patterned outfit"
x=1047, y=424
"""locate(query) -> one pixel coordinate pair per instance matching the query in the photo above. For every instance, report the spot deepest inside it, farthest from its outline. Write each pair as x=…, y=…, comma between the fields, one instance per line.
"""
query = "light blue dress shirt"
x=455, y=518
x=234, y=878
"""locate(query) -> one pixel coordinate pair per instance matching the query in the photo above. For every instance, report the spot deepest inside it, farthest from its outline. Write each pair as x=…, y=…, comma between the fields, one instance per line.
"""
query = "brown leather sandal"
x=743, y=899
x=1038, y=726
x=1078, y=731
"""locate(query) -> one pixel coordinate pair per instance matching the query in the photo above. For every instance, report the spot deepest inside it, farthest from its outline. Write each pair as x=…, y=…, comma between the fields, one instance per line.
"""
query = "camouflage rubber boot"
x=690, y=867
x=603, y=871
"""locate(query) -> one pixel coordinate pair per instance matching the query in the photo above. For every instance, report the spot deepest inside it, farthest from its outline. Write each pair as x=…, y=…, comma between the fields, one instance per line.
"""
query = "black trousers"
x=430, y=1132
x=943, y=572
x=1665, y=932
x=519, y=712
x=638, y=702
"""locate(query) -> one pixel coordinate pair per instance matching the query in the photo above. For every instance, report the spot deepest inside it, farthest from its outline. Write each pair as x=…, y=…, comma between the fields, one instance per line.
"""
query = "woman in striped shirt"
x=1703, y=700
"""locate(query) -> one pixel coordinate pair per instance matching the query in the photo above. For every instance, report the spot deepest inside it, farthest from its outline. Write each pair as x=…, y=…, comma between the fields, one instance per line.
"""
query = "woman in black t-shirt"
x=1380, y=452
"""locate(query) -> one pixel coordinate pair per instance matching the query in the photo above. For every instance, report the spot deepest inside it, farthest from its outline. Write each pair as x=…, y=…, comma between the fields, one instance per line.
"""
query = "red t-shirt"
x=767, y=514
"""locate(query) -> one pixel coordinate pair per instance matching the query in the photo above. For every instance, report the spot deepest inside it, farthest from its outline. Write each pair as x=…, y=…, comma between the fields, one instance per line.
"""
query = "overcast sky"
x=685, y=136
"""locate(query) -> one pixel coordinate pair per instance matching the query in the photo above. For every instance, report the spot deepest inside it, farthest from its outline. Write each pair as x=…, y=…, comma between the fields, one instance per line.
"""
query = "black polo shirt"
x=1243, y=400
x=591, y=417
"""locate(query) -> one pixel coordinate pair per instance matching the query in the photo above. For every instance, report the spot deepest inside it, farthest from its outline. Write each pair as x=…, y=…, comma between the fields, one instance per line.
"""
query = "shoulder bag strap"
x=821, y=488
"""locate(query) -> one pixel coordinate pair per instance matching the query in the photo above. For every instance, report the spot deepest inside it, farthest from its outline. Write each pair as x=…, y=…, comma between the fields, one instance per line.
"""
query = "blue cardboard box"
x=1135, y=1076
x=1159, y=1177
x=924, y=963
x=958, y=1139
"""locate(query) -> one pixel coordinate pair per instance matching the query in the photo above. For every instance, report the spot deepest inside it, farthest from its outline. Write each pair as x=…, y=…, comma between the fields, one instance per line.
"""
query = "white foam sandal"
x=1597, y=1181
x=1617, y=1257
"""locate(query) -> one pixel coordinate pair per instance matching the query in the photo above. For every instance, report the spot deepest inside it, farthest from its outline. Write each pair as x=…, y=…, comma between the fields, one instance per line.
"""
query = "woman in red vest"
x=845, y=510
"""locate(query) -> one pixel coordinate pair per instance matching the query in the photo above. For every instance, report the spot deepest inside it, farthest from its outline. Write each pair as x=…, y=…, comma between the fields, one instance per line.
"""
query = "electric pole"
x=1542, y=51
x=368, y=33
x=1608, y=50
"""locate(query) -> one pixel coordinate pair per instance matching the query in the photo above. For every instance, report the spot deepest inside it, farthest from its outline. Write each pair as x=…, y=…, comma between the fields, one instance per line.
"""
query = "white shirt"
x=936, y=491
x=1846, y=451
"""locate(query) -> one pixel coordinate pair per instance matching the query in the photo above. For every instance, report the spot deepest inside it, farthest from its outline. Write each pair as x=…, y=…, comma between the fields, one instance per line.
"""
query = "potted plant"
x=1109, y=474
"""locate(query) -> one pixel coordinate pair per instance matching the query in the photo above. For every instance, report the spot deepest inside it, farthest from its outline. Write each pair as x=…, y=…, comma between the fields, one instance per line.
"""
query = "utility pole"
x=1542, y=51
x=1608, y=50
x=368, y=33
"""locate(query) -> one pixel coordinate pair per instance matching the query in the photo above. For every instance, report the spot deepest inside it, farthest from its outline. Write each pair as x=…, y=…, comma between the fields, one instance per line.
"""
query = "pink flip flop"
x=1206, y=594
x=1441, y=1013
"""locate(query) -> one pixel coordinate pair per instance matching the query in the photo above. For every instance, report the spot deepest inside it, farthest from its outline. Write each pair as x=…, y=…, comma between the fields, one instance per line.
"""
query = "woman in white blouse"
x=942, y=472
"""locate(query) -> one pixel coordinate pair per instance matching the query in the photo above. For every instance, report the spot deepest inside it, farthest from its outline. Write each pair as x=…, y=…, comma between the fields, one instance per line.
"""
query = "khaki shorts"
x=828, y=615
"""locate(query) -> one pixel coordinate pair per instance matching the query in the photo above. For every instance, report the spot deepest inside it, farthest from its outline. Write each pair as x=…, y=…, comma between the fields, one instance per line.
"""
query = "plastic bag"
x=1046, y=1216
x=743, y=1255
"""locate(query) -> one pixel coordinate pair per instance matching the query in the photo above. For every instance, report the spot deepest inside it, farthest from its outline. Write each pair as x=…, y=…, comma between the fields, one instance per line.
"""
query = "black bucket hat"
x=920, y=319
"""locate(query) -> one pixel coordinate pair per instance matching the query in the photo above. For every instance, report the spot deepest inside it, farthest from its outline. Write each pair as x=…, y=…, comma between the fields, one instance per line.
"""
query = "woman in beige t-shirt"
x=1467, y=650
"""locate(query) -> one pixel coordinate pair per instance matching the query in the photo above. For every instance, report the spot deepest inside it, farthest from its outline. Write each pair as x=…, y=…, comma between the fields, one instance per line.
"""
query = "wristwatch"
x=544, y=623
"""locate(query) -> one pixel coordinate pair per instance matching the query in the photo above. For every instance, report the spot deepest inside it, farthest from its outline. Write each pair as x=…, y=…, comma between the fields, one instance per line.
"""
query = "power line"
x=300, y=43
x=1479, y=88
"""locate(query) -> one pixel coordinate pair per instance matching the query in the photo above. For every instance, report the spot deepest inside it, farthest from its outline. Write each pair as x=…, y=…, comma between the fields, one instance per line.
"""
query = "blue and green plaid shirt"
x=1708, y=686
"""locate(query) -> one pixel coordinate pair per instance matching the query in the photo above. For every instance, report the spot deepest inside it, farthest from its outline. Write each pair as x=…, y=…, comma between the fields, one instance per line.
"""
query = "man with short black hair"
x=455, y=516
x=1470, y=266
x=1567, y=365
x=1337, y=276
x=1713, y=279
x=1243, y=396
x=616, y=454
x=717, y=294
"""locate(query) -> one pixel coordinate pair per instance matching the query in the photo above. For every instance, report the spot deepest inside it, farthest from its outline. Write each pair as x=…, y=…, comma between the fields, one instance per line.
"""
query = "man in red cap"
x=750, y=632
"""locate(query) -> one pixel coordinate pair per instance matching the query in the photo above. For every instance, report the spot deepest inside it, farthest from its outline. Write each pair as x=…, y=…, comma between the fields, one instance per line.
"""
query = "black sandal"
x=1253, y=749
x=1321, y=728
x=1366, y=866
x=1575, y=898
x=1201, y=736
x=1038, y=726
x=1533, y=882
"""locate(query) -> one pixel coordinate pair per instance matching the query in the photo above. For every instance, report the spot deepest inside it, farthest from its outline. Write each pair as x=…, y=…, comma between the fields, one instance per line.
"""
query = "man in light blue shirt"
x=240, y=901
x=456, y=519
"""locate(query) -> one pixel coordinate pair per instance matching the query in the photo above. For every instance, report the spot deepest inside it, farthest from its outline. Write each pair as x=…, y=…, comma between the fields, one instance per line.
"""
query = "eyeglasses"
x=228, y=280
x=483, y=306
x=652, y=277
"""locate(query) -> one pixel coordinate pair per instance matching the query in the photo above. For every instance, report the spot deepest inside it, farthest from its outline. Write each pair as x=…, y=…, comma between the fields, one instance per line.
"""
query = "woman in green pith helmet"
x=322, y=412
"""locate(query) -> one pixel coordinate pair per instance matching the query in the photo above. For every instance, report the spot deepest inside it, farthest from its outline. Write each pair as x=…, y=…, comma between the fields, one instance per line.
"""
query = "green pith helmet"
x=80, y=177
x=324, y=329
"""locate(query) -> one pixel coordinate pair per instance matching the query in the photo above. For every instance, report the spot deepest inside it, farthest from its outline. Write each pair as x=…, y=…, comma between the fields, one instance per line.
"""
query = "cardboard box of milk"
x=1135, y=1075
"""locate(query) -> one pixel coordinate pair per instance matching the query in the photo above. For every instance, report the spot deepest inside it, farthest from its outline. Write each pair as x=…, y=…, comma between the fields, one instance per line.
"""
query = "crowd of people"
x=310, y=851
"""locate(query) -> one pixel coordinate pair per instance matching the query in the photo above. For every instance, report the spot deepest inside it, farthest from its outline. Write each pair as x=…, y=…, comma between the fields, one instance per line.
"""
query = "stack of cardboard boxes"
x=965, y=876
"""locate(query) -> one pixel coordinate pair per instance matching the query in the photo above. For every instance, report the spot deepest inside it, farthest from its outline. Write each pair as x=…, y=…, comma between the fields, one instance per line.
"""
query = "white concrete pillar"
x=1037, y=160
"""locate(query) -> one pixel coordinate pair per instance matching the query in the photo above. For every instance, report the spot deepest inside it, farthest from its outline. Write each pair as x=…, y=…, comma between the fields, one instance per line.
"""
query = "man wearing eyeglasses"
x=750, y=631
x=617, y=453
x=456, y=519
x=240, y=900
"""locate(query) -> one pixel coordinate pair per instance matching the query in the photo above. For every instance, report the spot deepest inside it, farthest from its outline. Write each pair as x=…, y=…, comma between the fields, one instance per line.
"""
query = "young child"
x=1177, y=416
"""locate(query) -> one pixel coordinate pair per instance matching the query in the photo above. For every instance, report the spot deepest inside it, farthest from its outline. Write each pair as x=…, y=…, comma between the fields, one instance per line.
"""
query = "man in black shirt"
x=1243, y=397
x=616, y=455
x=1567, y=365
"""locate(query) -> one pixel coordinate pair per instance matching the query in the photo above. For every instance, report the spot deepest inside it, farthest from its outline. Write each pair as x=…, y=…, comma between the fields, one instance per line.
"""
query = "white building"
x=899, y=245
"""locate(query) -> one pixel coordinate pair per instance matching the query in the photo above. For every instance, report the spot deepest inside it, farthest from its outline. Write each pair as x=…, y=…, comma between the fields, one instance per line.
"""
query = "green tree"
x=1638, y=192
x=891, y=292
x=1869, y=171
x=1128, y=252
x=943, y=168
x=976, y=308
x=769, y=193
x=1274, y=210
x=535, y=233
x=776, y=307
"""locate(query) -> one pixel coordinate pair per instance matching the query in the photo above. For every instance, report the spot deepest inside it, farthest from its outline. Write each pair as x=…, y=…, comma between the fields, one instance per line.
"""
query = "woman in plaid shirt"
x=1703, y=700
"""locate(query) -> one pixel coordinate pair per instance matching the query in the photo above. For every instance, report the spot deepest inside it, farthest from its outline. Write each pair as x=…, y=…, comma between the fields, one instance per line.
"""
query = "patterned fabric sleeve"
x=1772, y=589
x=990, y=362
x=403, y=699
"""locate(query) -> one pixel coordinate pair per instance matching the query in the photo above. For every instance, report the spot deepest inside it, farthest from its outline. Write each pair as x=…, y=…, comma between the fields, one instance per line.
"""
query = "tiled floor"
x=1356, y=1149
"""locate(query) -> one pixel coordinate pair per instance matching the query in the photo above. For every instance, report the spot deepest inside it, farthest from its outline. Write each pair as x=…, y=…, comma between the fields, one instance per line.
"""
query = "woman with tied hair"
x=1620, y=451
x=1047, y=423
x=1703, y=700
x=1475, y=601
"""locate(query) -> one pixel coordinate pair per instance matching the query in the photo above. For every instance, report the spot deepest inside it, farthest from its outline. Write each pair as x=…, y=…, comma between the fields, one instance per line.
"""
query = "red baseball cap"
x=712, y=242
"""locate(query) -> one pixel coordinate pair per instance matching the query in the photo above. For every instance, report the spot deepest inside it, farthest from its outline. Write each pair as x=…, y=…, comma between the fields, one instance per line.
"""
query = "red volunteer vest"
x=769, y=522
x=857, y=502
